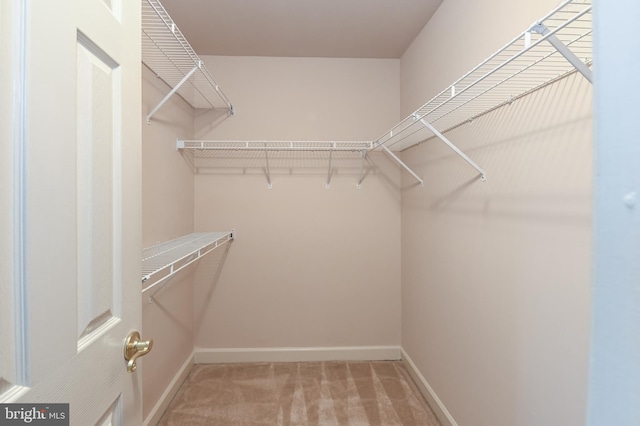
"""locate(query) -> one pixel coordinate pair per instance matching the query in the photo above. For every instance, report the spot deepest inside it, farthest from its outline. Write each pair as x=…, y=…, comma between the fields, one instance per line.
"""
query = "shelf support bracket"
x=266, y=157
x=171, y=93
x=399, y=161
x=328, y=186
x=363, y=153
x=425, y=123
x=562, y=48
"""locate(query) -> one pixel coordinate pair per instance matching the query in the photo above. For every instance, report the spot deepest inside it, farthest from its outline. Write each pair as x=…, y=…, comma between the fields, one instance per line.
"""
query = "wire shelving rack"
x=557, y=45
x=552, y=48
x=198, y=152
x=169, y=55
x=162, y=261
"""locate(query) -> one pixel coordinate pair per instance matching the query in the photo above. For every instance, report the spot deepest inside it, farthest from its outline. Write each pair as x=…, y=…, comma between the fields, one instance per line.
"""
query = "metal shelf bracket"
x=266, y=157
x=542, y=29
x=171, y=93
x=363, y=153
x=399, y=161
x=425, y=123
x=328, y=185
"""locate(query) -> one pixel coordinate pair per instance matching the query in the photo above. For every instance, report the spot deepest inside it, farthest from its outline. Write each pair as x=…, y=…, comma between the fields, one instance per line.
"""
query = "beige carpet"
x=317, y=393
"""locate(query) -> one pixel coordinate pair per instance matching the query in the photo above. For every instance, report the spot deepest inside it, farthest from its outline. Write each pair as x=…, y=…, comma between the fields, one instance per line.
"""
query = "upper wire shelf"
x=199, y=153
x=162, y=261
x=170, y=56
x=553, y=47
x=274, y=145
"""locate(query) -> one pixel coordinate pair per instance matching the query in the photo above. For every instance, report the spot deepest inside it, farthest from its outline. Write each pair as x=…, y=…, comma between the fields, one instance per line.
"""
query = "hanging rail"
x=551, y=48
x=170, y=56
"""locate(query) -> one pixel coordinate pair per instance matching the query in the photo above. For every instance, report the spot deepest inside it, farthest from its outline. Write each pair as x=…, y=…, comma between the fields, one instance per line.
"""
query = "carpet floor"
x=312, y=393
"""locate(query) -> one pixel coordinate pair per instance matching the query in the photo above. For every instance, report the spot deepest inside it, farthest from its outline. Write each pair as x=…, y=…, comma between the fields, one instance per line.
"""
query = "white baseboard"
x=427, y=391
x=167, y=396
x=349, y=353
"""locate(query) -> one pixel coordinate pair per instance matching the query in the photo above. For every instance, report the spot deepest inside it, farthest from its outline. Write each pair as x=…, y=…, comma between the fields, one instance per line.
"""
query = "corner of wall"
x=436, y=404
x=167, y=213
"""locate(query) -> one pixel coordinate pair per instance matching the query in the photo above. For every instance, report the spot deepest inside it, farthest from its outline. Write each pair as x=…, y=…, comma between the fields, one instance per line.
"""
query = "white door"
x=70, y=201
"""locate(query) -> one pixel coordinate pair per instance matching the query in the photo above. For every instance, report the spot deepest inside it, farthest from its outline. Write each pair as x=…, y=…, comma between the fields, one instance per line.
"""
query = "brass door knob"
x=134, y=348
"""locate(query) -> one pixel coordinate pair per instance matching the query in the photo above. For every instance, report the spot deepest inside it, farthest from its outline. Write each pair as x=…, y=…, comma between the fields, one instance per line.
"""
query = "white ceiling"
x=305, y=28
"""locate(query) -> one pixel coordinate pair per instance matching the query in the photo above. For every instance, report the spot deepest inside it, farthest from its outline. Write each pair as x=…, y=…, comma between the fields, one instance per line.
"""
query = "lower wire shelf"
x=162, y=261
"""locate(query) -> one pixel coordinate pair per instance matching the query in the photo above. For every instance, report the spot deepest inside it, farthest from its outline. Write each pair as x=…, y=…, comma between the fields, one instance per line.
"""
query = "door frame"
x=13, y=287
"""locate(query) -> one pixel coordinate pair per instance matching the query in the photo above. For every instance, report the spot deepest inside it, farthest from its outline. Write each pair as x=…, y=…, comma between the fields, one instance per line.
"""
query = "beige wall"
x=167, y=212
x=496, y=275
x=493, y=306
x=303, y=98
x=310, y=267
x=167, y=180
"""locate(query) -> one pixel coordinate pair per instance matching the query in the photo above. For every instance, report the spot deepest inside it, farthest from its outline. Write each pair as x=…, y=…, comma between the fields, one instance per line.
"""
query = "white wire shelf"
x=555, y=46
x=200, y=153
x=227, y=145
x=170, y=56
x=162, y=261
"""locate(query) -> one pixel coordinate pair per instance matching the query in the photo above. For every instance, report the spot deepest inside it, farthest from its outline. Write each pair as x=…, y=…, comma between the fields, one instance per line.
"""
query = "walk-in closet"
x=457, y=238
x=435, y=230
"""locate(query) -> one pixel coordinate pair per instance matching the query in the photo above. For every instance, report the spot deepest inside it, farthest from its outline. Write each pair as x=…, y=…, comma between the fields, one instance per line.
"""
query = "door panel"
x=113, y=416
x=81, y=251
x=97, y=81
